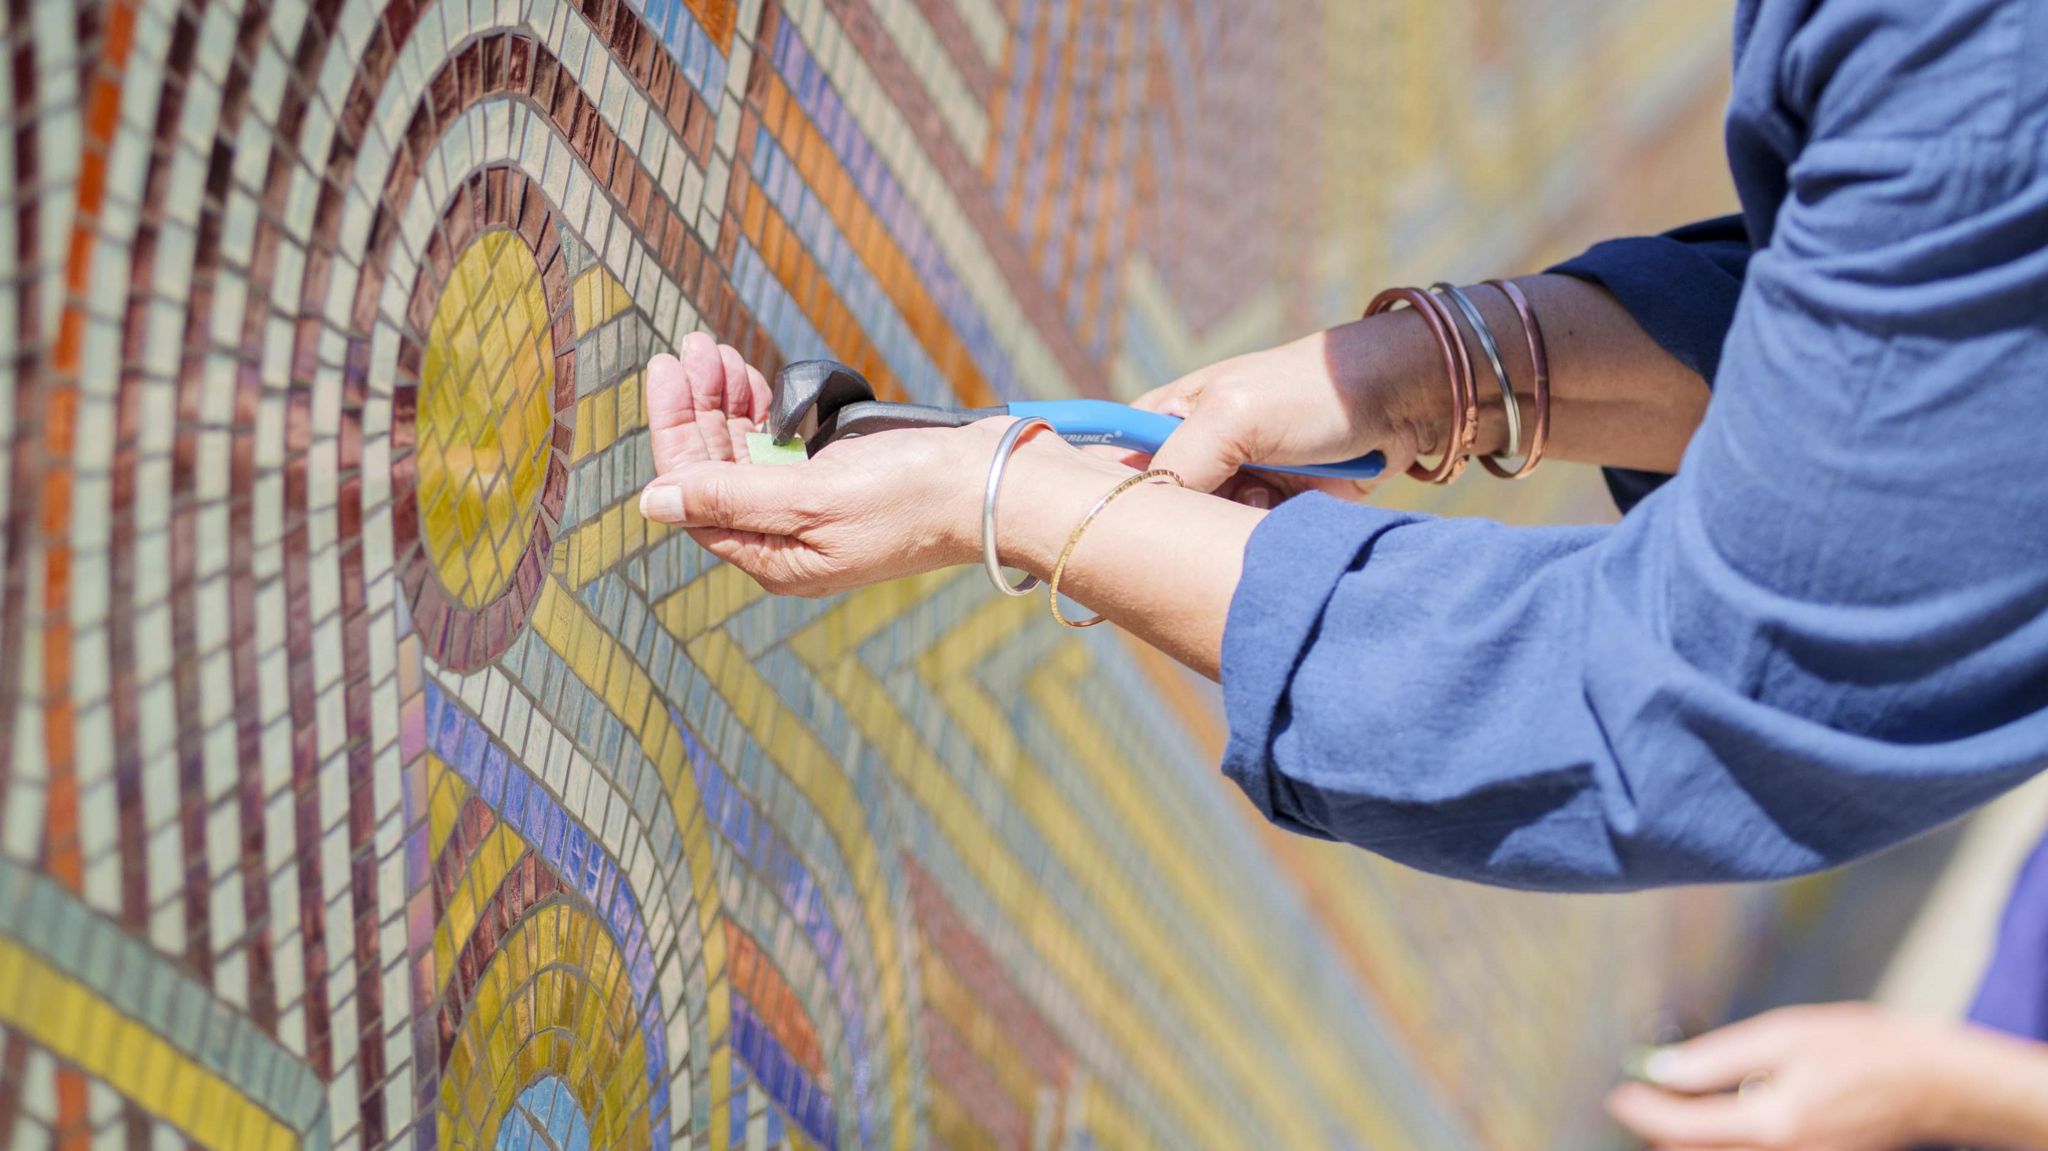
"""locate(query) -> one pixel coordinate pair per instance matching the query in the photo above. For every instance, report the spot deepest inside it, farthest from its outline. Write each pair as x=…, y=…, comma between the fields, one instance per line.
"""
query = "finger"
x=739, y=430
x=757, y=385
x=739, y=391
x=1357, y=491
x=1721, y=1059
x=1690, y=1121
x=671, y=417
x=1361, y=490
x=1197, y=453
x=1252, y=491
x=704, y=367
x=722, y=494
x=1354, y=490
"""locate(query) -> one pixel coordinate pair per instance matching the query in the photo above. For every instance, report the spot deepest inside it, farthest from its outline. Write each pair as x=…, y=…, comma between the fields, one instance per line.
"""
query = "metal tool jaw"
x=843, y=405
x=807, y=386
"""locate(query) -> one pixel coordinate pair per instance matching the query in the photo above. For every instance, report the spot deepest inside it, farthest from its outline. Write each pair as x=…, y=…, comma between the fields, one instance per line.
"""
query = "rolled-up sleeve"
x=1829, y=632
x=1681, y=288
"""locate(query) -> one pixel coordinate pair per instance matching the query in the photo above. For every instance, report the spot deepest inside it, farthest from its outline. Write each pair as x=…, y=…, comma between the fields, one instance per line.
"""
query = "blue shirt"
x=1830, y=630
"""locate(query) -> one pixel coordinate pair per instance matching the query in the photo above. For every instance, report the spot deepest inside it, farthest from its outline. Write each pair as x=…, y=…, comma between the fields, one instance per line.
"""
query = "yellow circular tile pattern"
x=486, y=417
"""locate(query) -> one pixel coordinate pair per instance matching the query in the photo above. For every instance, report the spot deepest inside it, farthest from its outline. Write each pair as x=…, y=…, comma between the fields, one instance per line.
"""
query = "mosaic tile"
x=373, y=776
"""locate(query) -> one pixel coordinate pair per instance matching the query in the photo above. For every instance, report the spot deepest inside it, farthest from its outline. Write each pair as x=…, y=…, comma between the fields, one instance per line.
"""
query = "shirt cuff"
x=1681, y=288
x=1292, y=564
x=1682, y=295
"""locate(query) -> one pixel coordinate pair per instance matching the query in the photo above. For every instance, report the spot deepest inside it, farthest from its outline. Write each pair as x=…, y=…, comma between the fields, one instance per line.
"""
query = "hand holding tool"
x=844, y=405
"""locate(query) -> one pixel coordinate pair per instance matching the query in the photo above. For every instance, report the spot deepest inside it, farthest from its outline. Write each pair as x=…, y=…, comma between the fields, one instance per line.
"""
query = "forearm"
x=1164, y=563
x=1990, y=1091
x=1617, y=398
x=1161, y=562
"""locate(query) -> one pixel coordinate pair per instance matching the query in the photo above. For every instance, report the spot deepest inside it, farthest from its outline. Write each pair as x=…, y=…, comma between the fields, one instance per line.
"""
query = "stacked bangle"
x=1539, y=364
x=1464, y=428
x=1491, y=347
x=1462, y=434
x=1450, y=342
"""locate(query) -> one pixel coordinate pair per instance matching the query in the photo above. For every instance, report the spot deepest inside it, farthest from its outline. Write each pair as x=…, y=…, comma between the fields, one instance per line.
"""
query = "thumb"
x=1200, y=454
x=722, y=494
x=1169, y=398
x=1721, y=1059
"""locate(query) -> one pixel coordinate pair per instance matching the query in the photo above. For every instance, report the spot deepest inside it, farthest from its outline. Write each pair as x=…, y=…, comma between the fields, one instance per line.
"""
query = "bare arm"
x=1992, y=1092
x=1164, y=562
x=1617, y=398
x=1161, y=561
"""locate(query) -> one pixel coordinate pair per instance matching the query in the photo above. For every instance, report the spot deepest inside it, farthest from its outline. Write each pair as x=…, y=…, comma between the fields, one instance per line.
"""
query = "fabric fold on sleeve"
x=1273, y=619
x=1385, y=691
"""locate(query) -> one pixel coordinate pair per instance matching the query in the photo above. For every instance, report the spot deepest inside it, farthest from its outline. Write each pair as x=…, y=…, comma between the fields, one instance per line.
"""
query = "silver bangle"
x=1491, y=347
x=996, y=467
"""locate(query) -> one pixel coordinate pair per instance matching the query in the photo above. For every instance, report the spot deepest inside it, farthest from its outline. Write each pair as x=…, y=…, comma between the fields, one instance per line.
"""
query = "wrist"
x=1048, y=488
x=1983, y=1088
x=1935, y=1099
x=1391, y=372
x=1393, y=361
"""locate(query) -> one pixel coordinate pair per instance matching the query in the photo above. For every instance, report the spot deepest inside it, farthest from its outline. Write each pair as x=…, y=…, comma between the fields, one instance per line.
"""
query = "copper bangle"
x=1539, y=361
x=1464, y=427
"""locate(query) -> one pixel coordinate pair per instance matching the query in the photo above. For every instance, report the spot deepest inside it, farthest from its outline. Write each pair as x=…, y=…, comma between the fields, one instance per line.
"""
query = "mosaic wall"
x=373, y=776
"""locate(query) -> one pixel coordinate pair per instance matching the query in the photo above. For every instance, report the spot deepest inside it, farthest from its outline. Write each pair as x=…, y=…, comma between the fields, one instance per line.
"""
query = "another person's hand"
x=1840, y=1077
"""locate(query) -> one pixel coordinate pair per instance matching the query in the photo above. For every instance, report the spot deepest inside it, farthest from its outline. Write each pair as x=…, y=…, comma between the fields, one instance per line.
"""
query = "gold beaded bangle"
x=1059, y=569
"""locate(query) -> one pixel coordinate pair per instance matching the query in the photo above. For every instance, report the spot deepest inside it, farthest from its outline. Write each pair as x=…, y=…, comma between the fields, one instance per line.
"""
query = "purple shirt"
x=2013, y=996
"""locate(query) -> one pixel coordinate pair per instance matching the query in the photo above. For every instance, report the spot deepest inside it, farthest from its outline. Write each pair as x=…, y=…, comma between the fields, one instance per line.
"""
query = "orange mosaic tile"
x=871, y=241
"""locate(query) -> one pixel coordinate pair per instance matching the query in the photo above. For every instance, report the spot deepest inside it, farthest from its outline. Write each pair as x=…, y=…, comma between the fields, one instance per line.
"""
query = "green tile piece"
x=762, y=449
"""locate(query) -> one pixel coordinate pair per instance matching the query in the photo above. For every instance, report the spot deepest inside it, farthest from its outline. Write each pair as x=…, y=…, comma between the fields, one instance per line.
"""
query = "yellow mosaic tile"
x=486, y=416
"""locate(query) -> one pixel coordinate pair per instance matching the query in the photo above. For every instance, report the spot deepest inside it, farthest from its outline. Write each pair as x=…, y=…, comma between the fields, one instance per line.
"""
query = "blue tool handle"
x=1088, y=422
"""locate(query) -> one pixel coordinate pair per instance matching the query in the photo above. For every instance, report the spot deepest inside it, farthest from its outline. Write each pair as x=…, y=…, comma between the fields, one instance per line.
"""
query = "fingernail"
x=1662, y=1064
x=662, y=503
x=1259, y=498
